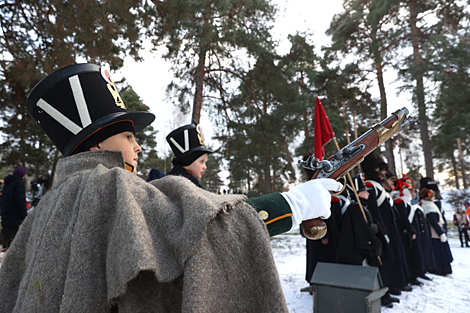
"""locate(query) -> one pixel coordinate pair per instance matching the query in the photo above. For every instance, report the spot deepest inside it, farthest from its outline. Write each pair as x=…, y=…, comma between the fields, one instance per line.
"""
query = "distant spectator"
x=467, y=208
x=462, y=223
x=13, y=209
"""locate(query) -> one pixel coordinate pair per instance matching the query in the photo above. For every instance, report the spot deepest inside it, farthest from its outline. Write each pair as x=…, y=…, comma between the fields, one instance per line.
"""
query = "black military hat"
x=389, y=174
x=426, y=194
x=372, y=165
x=187, y=144
x=79, y=106
x=428, y=183
x=358, y=182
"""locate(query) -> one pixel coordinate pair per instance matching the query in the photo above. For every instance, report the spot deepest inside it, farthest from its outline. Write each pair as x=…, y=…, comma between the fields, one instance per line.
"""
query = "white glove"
x=443, y=237
x=387, y=239
x=311, y=199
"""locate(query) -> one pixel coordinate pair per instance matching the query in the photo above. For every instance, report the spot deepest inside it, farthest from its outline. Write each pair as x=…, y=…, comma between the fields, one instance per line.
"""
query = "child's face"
x=125, y=142
x=198, y=167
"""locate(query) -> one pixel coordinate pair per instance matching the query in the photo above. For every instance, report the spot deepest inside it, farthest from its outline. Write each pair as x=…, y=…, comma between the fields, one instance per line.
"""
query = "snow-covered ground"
x=441, y=295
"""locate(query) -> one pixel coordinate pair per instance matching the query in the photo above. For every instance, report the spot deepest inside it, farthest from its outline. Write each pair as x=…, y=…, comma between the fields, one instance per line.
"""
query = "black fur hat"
x=187, y=144
x=78, y=106
x=427, y=182
x=372, y=165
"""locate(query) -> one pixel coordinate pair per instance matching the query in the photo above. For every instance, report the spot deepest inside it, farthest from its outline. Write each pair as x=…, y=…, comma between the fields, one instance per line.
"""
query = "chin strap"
x=129, y=167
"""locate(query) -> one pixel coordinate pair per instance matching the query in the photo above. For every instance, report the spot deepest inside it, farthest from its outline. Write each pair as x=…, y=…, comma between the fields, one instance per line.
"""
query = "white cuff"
x=296, y=216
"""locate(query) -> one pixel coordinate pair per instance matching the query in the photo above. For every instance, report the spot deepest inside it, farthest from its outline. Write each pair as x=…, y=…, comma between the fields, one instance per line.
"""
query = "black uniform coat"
x=13, y=209
x=413, y=249
x=424, y=238
x=394, y=271
x=319, y=252
x=441, y=249
x=358, y=241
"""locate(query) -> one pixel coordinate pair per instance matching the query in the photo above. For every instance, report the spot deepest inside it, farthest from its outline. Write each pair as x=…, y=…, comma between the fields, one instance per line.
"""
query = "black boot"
x=406, y=288
x=384, y=301
x=416, y=282
x=425, y=277
x=393, y=299
x=394, y=291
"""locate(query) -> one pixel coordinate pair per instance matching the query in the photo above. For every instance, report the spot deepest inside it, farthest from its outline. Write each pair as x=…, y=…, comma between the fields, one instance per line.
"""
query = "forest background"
x=226, y=68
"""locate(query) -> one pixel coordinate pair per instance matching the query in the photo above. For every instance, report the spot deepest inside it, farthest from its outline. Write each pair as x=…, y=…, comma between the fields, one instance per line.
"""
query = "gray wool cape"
x=104, y=240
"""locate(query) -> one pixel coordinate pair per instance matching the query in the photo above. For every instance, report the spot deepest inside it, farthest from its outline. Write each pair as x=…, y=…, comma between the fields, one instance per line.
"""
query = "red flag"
x=323, y=132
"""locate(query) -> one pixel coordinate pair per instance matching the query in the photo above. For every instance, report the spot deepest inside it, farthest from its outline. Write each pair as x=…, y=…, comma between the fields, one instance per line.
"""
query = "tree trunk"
x=456, y=173
x=199, y=82
x=304, y=112
x=462, y=165
x=383, y=109
x=419, y=92
x=267, y=179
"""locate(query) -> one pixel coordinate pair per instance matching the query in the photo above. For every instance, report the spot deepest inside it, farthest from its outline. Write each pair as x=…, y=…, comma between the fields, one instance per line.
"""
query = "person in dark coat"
x=394, y=271
x=413, y=228
x=13, y=208
x=424, y=236
x=191, y=154
x=359, y=243
x=438, y=233
x=427, y=182
x=362, y=241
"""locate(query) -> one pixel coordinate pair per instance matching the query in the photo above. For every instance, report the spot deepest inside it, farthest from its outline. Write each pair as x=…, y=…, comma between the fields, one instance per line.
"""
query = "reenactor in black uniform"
x=413, y=228
x=394, y=270
x=360, y=242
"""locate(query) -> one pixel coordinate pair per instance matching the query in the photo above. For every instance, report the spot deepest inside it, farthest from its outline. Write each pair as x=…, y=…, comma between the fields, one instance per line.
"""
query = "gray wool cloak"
x=104, y=240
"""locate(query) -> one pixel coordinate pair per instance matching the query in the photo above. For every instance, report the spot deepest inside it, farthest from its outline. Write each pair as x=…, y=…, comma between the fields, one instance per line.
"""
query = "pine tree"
x=419, y=68
x=261, y=122
x=38, y=37
x=210, y=44
x=364, y=30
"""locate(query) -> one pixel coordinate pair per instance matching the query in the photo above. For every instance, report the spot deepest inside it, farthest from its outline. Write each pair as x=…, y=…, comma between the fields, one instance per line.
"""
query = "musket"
x=340, y=163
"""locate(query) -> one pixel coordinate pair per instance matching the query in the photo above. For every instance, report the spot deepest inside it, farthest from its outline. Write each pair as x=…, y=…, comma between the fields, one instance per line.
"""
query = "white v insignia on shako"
x=186, y=142
x=81, y=107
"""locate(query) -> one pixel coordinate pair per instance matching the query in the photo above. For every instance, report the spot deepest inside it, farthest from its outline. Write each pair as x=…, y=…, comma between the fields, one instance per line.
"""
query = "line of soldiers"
x=387, y=227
